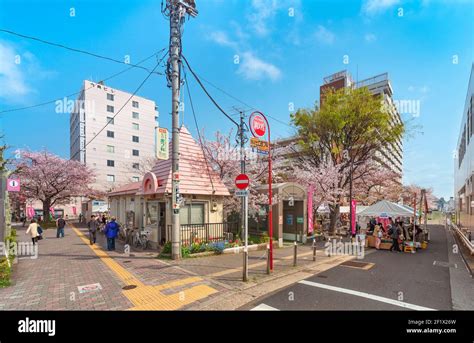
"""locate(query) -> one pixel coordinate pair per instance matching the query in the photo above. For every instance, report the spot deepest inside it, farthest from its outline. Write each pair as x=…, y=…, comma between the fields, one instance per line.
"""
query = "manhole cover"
x=354, y=264
x=128, y=287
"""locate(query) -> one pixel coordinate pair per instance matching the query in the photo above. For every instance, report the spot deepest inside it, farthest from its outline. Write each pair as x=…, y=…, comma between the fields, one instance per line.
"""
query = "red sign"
x=257, y=125
x=242, y=181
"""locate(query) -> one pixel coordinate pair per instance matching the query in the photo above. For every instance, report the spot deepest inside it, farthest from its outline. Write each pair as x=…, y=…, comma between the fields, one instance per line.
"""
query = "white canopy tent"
x=385, y=208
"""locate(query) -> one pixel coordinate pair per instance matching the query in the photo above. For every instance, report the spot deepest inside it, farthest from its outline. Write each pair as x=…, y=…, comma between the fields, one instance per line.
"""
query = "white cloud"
x=223, y=39
x=253, y=68
x=261, y=12
x=323, y=35
x=370, y=37
x=371, y=7
x=12, y=76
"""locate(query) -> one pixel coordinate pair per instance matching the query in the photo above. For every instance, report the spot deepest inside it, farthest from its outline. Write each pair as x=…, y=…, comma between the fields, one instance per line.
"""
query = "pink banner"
x=353, y=219
x=74, y=210
x=30, y=212
x=310, y=209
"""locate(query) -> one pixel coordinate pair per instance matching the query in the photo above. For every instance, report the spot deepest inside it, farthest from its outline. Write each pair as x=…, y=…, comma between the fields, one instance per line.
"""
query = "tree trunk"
x=333, y=216
x=46, y=206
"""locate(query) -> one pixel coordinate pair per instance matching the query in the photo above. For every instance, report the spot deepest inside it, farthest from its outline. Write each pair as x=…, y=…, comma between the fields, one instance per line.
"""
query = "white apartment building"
x=390, y=156
x=114, y=150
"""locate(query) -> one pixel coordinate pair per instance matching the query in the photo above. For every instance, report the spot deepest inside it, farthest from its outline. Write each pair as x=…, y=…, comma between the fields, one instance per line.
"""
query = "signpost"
x=259, y=126
x=242, y=182
x=13, y=185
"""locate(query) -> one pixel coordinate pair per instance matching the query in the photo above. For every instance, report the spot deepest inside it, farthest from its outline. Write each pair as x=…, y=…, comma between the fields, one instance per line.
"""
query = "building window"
x=135, y=126
x=110, y=148
x=135, y=152
x=110, y=97
x=110, y=134
x=111, y=178
x=135, y=104
x=110, y=120
x=110, y=163
x=192, y=214
x=135, y=139
x=135, y=115
x=135, y=178
x=136, y=166
x=110, y=108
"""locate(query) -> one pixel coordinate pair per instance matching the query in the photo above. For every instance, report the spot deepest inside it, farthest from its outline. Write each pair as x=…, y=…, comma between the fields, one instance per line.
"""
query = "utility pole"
x=244, y=200
x=176, y=11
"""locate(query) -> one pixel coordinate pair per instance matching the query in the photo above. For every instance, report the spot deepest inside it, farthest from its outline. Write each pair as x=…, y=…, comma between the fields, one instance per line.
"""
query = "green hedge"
x=5, y=267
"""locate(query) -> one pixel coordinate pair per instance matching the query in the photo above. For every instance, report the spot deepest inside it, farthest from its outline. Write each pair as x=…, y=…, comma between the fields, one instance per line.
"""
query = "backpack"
x=61, y=223
x=40, y=230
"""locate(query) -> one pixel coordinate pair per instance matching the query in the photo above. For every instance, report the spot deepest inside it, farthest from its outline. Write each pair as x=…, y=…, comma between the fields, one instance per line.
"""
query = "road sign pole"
x=246, y=234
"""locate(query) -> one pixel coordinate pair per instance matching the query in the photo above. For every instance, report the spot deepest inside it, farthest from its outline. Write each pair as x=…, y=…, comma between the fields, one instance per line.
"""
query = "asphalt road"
x=395, y=281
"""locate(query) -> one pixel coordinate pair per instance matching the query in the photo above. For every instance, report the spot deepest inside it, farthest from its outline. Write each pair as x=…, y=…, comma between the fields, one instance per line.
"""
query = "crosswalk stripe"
x=264, y=307
x=366, y=295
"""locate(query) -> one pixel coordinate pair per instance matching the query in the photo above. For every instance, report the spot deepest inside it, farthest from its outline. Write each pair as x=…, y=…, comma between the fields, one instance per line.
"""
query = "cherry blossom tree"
x=51, y=179
x=223, y=156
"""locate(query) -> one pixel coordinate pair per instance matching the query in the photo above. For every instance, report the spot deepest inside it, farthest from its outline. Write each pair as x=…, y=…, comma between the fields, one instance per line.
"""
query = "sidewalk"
x=140, y=281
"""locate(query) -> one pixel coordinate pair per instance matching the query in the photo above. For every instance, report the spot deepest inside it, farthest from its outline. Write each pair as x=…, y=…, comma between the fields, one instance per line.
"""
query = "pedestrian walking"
x=394, y=232
x=60, y=224
x=111, y=232
x=33, y=231
x=104, y=220
x=93, y=226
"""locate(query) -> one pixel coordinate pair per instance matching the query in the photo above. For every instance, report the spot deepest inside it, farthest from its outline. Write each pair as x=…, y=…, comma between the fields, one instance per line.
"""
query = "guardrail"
x=464, y=239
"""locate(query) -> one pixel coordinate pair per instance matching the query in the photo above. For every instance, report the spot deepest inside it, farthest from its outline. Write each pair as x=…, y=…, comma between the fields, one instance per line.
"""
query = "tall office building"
x=390, y=156
x=464, y=162
x=114, y=151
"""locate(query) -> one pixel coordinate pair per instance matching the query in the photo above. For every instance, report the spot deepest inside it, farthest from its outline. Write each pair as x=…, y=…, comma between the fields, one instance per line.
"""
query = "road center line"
x=367, y=295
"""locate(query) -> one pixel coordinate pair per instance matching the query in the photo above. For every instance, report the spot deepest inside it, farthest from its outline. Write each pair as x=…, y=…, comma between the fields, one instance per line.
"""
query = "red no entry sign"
x=242, y=181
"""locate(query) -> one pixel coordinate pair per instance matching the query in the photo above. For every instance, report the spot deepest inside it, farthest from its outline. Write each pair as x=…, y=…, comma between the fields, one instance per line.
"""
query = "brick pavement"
x=50, y=282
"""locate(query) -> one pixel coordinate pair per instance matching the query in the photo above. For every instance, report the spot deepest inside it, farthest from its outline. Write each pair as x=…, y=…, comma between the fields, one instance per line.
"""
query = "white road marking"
x=263, y=307
x=367, y=295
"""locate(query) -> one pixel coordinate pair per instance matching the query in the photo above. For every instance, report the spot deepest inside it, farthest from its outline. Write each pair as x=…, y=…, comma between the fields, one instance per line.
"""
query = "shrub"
x=166, y=248
x=5, y=272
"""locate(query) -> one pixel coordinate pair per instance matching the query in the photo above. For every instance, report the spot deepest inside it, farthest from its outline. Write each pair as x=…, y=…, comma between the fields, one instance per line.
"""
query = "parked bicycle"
x=140, y=239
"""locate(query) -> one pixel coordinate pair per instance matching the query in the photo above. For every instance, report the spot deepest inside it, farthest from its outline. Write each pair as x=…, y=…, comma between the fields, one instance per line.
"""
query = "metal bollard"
x=295, y=254
x=268, y=259
x=245, y=275
x=314, y=251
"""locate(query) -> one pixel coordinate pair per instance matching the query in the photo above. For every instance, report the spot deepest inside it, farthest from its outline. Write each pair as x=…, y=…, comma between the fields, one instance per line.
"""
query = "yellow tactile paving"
x=145, y=297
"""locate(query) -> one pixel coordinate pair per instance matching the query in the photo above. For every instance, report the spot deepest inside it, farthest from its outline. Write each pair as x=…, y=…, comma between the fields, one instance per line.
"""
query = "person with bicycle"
x=111, y=232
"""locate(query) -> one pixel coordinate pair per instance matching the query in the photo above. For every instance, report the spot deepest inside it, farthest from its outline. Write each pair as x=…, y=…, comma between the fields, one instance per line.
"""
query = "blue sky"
x=284, y=47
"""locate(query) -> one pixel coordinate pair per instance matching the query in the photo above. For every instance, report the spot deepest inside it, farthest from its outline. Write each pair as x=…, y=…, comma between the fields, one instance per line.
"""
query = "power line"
x=250, y=107
x=76, y=93
x=198, y=131
x=75, y=50
x=207, y=93
x=123, y=106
